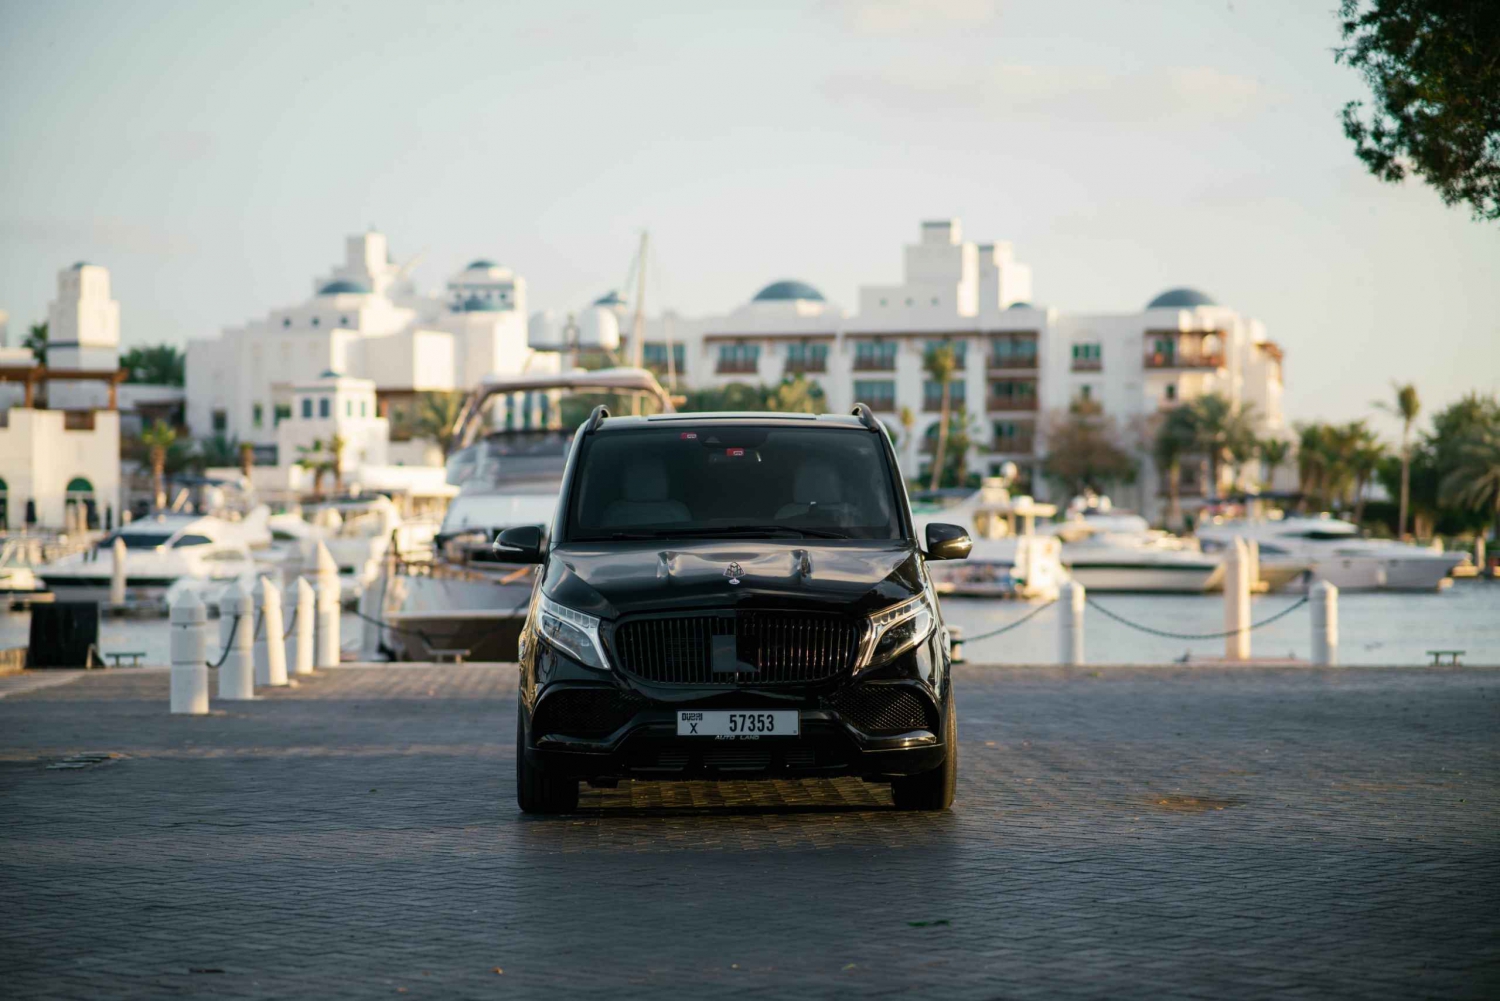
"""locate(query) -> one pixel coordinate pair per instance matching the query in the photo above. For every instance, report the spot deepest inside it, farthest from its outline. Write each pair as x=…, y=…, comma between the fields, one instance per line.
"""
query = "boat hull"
x=1183, y=578
x=436, y=618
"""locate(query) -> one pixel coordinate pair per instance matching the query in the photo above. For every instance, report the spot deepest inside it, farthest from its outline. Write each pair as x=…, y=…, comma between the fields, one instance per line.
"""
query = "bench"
x=134, y=655
x=447, y=656
x=1452, y=655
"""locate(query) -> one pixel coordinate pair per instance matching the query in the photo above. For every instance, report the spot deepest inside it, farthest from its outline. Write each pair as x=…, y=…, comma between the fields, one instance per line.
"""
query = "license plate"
x=751, y=723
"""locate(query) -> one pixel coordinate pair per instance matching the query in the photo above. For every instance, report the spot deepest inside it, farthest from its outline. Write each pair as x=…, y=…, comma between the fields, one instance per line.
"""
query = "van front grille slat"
x=773, y=648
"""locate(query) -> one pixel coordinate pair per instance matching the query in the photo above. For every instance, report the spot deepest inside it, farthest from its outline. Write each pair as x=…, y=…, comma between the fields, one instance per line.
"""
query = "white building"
x=1017, y=362
x=59, y=426
x=365, y=320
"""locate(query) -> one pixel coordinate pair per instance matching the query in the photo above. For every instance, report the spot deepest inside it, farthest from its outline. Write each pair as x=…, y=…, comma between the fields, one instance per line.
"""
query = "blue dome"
x=788, y=290
x=480, y=265
x=1020, y=305
x=1180, y=298
x=344, y=287
x=610, y=298
x=474, y=304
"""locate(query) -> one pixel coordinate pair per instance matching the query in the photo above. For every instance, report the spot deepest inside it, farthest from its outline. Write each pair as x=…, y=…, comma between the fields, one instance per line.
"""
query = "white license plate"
x=750, y=723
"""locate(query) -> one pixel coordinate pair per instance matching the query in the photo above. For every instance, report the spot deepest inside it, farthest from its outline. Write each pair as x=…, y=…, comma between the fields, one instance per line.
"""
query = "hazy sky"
x=214, y=156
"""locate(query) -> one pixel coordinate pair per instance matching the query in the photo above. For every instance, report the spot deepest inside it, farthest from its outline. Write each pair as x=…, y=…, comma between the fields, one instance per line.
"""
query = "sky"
x=214, y=156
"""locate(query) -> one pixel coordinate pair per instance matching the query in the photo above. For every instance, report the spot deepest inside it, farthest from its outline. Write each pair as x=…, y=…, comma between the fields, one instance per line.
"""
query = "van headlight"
x=572, y=632
x=891, y=633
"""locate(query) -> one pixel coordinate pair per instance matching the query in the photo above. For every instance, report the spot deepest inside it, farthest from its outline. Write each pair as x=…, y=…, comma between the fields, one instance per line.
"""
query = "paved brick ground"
x=1128, y=832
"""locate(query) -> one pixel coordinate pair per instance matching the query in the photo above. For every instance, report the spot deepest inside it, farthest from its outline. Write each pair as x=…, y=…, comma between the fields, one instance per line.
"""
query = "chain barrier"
x=1196, y=636
x=228, y=644
x=291, y=625
x=425, y=637
x=1010, y=625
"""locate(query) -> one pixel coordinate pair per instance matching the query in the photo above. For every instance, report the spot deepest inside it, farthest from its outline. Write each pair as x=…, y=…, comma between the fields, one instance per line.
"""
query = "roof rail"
x=595, y=419
x=866, y=416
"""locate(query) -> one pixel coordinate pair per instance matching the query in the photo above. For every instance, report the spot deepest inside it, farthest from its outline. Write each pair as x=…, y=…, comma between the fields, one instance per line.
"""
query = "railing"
x=1010, y=403
x=934, y=404
x=1014, y=446
x=737, y=366
x=807, y=365
x=876, y=363
x=996, y=362
x=78, y=420
x=1088, y=364
x=1169, y=359
x=881, y=404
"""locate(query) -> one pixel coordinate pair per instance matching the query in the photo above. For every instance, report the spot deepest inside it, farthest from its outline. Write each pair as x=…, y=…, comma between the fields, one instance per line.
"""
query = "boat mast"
x=638, y=323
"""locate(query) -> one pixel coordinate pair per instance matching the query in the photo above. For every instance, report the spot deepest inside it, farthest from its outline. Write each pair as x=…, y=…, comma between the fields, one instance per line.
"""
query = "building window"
x=1170, y=393
x=882, y=302
x=1085, y=392
x=283, y=411
x=1012, y=394
x=875, y=356
x=909, y=301
x=932, y=395
x=878, y=394
x=221, y=421
x=315, y=321
x=655, y=356
x=1013, y=352
x=739, y=357
x=960, y=350
x=364, y=408
x=307, y=406
x=257, y=412
x=807, y=357
x=934, y=300
x=286, y=321
x=323, y=407
x=343, y=321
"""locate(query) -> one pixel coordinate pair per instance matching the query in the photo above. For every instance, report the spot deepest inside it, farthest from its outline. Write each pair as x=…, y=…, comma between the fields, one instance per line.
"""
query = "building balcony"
x=934, y=404
x=1013, y=446
x=1088, y=364
x=1006, y=403
x=78, y=420
x=806, y=366
x=737, y=367
x=1000, y=363
x=881, y=404
x=1165, y=360
x=880, y=363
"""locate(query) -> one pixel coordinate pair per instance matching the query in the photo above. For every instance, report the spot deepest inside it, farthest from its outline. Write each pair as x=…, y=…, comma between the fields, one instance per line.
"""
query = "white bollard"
x=369, y=626
x=270, y=646
x=1324, y=599
x=1237, y=601
x=189, y=624
x=236, y=630
x=1070, y=623
x=1252, y=555
x=330, y=600
x=304, y=642
x=117, y=573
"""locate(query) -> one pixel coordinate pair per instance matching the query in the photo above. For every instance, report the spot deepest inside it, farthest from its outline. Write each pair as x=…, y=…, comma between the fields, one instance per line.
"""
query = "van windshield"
x=713, y=481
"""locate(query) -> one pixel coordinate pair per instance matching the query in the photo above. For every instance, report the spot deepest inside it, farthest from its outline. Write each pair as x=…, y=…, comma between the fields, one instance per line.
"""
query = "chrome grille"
x=737, y=648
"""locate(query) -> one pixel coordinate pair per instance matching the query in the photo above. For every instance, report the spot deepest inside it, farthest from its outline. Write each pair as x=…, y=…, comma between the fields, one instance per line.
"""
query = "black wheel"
x=933, y=790
x=536, y=792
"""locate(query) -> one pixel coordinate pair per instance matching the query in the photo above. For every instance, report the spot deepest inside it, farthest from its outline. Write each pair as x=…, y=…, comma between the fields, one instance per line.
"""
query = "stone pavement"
x=1166, y=832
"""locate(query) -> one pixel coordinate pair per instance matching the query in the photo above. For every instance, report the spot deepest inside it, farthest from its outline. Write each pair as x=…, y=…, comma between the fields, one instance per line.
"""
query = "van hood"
x=622, y=579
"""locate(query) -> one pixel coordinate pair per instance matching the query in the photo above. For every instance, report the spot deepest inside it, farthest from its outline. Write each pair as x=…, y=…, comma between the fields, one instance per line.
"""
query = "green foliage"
x=1335, y=462
x=36, y=342
x=1455, y=443
x=1435, y=80
x=792, y=395
x=955, y=470
x=1085, y=451
x=159, y=365
x=434, y=416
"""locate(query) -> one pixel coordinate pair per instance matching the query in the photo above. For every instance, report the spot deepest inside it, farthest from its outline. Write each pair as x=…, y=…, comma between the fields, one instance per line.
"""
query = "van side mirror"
x=948, y=542
x=522, y=544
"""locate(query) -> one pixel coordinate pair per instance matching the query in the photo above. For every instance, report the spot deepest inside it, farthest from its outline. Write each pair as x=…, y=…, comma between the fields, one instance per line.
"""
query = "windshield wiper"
x=762, y=531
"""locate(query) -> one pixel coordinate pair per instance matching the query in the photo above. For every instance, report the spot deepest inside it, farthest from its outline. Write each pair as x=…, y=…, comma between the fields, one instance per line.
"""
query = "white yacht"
x=1337, y=553
x=359, y=533
x=1009, y=558
x=1109, y=550
x=159, y=551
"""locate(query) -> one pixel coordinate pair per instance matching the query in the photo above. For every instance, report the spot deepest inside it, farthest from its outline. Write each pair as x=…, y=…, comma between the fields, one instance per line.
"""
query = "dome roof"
x=480, y=265
x=1181, y=298
x=1020, y=305
x=344, y=287
x=610, y=298
x=474, y=304
x=787, y=290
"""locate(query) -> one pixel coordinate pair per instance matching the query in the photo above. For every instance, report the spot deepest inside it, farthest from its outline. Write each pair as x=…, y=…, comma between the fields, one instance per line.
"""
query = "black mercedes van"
x=733, y=596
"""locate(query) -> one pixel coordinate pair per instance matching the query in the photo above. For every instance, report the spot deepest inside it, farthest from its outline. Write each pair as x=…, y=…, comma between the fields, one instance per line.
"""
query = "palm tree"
x=247, y=459
x=908, y=421
x=1474, y=481
x=1273, y=452
x=336, y=446
x=36, y=341
x=940, y=364
x=158, y=438
x=1407, y=406
x=1224, y=431
x=1364, y=459
x=1176, y=436
x=436, y=417
x=160, y=365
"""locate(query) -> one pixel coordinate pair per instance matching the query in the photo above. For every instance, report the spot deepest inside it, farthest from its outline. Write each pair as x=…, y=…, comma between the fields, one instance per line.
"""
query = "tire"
x=536, y=792
x=933, y=791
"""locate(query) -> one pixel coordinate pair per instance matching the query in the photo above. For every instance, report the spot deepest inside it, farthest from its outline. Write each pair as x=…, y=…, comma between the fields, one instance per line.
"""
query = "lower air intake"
x=879, y=709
